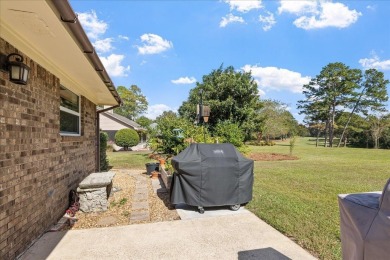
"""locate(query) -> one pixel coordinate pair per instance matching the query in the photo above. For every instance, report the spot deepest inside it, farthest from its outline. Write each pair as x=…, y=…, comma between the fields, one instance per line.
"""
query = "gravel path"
x=132, y=201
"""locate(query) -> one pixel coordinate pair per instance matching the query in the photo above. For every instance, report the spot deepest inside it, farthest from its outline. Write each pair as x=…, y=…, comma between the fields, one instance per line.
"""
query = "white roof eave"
x=34, y=29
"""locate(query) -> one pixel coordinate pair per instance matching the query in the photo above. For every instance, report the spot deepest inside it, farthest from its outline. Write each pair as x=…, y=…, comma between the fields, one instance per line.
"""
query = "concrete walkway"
x=219, y=233
x=236, y=236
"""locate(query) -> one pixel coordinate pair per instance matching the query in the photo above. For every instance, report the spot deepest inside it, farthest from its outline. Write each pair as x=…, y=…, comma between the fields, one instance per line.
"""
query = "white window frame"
x=69, y=111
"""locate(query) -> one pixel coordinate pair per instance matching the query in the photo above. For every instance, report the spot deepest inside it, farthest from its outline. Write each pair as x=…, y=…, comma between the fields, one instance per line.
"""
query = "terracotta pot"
x=155, y=174
x=162, y=161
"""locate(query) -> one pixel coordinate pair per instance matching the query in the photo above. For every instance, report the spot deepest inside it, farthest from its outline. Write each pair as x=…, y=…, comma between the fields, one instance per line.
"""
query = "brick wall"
x=38, y=166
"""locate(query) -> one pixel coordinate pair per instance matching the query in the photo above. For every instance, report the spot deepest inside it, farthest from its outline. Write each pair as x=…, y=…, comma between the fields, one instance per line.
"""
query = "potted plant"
x=162, y=162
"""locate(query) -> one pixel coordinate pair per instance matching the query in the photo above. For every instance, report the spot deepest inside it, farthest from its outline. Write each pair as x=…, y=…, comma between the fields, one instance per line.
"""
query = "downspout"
x=98, y=135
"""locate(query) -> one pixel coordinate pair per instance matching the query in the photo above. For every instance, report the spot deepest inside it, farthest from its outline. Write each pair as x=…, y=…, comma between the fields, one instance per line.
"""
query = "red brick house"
x=49, y=127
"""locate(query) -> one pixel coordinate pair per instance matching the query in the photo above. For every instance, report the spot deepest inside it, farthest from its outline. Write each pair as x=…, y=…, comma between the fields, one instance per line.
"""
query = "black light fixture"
x=18, y=71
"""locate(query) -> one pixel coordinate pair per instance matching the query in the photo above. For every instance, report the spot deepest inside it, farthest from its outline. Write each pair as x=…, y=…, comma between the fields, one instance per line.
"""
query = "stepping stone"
x=140, y=197
x=140, y=205
x=139, y=216
x=141, y=191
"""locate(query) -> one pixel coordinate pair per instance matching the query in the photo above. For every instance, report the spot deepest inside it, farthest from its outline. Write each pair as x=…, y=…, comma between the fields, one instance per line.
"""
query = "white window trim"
x=67, y=110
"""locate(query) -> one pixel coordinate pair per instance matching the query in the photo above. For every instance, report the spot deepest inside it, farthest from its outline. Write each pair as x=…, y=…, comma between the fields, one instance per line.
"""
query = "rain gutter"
x=69, y=17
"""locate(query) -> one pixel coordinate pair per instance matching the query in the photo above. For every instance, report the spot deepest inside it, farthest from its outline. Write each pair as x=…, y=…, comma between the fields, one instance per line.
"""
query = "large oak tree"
x=232, y=95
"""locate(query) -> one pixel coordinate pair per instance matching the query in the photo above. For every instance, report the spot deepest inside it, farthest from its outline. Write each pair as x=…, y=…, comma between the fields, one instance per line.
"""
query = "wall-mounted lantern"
x=18, y=71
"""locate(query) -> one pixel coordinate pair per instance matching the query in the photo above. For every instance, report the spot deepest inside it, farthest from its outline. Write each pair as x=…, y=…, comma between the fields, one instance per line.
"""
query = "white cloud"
x=123, y=37
x=268, y=21
x=153, y=44
x=260, y=92
x=297, y=7
x=272, y=78
x=184, y=80
x=330, y=15
x=375, y=63
x=113, y=65
x=156, y=110
x=230, y=19
x=104, y=45
x=92, y=25
x=95, y=29
x=371, y=7
x=244, y=6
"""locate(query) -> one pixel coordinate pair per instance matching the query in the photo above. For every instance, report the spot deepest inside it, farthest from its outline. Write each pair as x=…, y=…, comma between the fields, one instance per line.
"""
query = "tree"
x=275, y=120
x=134, y=102
x=316, y=117
x=385, y=139
x=231, y=96
x=303, y=131
x=333, y=89
x=164, y=138
x=372, y=96
x=378, y=124
x=144, y=121
x=355, y=130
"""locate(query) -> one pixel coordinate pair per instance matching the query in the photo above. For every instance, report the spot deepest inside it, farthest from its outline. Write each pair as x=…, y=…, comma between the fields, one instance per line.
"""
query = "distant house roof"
x=123, y=120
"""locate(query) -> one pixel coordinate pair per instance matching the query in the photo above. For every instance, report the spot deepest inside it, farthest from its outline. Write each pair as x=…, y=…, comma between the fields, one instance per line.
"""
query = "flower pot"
x=162, y=162
x=155, y=174
x=150, y=167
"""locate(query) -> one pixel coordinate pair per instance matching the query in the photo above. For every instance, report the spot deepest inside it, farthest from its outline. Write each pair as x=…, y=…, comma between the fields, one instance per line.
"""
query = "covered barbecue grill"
x=209, y=175
x=365, y=224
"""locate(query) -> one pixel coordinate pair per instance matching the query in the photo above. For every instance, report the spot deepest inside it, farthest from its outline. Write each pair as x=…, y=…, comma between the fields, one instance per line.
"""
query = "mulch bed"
x=120, y=206
x=271, y=157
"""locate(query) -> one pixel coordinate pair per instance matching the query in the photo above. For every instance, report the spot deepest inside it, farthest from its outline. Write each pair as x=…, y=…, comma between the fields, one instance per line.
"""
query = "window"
x=69, y=112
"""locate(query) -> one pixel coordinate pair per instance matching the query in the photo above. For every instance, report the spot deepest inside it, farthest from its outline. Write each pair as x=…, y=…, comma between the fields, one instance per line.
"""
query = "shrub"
x=126, y=138
x=103, y=149
x=229, y=132
x=261, y=143
x=244, y=149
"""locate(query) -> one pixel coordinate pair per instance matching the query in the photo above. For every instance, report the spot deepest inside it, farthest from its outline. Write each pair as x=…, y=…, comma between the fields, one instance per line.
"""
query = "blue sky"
x=164, y=47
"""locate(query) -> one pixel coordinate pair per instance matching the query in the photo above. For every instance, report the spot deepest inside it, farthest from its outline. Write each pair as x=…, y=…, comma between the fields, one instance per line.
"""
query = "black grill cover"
x=211, y=175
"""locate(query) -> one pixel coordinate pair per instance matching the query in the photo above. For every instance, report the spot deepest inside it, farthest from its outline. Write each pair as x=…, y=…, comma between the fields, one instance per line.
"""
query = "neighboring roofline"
x=110, y=116
x=69, y=17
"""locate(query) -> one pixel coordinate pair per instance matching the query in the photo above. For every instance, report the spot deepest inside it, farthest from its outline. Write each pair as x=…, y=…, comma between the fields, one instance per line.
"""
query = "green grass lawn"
x=299, y=198
x=129, y=160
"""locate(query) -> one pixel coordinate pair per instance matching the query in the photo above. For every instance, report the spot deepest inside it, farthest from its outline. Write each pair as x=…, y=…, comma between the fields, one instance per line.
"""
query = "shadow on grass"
x=282, y=144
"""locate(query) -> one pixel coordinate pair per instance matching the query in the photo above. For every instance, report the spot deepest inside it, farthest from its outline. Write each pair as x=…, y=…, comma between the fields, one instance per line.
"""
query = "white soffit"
x=33, y=28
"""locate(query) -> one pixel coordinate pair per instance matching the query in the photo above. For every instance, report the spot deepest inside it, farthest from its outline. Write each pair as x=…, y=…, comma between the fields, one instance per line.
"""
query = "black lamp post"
x=18, y=71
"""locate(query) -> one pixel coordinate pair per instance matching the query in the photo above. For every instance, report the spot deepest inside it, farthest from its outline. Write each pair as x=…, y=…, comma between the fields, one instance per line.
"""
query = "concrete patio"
x=217, y=234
